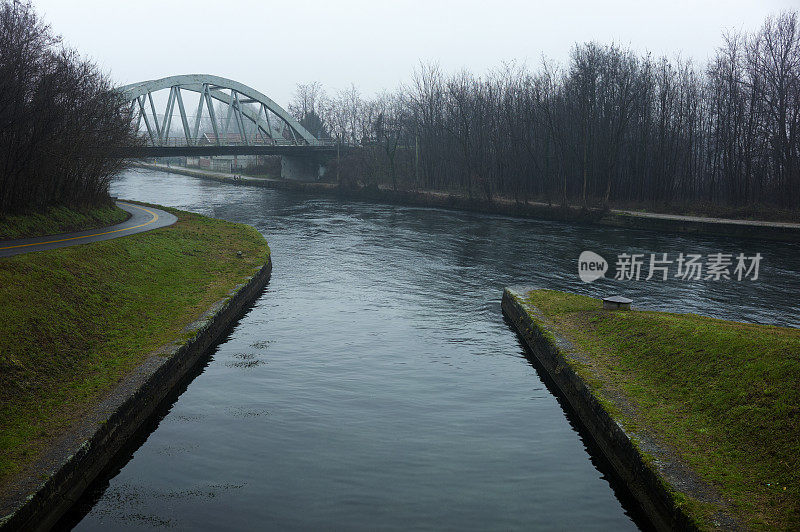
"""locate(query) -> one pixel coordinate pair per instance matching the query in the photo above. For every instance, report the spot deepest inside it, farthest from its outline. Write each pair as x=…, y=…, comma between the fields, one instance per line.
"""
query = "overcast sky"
x=273, y=45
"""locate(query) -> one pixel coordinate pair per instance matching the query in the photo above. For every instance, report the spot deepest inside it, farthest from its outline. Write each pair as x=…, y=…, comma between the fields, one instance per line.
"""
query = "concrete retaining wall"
x=777, y=231
x=648, y=486
x=36, y=503
x=299, y=168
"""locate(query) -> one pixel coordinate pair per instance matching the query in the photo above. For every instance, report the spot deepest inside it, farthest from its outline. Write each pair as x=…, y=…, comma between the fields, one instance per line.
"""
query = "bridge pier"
x=301, y=168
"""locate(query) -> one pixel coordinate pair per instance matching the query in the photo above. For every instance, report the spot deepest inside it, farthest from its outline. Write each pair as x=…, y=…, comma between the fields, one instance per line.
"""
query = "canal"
x=375, y=384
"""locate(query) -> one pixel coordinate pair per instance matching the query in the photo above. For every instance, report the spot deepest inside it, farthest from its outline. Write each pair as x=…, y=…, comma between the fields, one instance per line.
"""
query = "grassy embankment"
x=725, y=395
x=76, y=320
x=59, y=220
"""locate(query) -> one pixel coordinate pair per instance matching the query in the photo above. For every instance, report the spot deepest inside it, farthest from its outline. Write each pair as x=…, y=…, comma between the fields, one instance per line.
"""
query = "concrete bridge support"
x=301, y=168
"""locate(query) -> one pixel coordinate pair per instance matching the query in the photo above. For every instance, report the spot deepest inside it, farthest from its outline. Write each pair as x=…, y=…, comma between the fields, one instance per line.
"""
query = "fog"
x=272, y=46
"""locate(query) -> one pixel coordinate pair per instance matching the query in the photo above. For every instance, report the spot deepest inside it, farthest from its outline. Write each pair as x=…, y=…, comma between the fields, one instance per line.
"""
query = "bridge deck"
x=135, y=152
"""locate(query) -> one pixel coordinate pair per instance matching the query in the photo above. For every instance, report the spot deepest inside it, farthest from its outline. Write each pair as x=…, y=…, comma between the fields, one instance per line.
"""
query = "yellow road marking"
x=154, y=219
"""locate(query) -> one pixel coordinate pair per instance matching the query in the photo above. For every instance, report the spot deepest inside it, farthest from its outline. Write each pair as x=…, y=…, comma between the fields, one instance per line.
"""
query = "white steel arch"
x=232, y=93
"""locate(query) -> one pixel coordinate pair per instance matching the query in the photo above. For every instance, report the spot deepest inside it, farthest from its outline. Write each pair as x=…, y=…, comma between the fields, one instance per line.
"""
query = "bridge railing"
x=258, y=141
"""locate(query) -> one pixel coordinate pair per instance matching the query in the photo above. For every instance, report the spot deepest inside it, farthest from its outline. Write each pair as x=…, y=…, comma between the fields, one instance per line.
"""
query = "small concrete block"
x=617, y=303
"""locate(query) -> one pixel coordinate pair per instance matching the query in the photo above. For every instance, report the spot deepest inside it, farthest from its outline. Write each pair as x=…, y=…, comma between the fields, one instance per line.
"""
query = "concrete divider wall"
x=76, y=460
x=648, y=486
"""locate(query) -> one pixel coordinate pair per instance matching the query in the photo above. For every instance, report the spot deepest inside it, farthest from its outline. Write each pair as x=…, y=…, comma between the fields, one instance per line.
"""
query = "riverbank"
x=96, y=335
x=55, y=220
x=674, y=223
x=698, y=416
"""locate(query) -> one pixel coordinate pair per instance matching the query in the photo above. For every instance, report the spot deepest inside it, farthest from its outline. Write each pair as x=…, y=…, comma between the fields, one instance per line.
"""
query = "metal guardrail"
x=182, y=142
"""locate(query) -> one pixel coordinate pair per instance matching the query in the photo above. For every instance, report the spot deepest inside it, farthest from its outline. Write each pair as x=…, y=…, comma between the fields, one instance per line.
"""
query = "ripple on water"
x=395, y=394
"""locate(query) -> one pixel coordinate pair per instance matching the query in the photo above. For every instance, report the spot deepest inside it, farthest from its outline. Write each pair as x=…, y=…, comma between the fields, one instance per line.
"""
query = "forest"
x=609, y=128
x=61, y=122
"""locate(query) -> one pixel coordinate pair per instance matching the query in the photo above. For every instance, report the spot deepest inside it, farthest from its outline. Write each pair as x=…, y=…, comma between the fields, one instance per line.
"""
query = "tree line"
x=611, y=127
x=61, y=123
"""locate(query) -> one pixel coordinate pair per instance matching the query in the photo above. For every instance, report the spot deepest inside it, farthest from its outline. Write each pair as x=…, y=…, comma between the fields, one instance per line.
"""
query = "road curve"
x=142, y=219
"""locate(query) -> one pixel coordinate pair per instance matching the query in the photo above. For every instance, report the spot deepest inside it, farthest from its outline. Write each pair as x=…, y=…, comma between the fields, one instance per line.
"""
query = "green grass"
x=56, y=220
x=725, y=394
x=78, y=319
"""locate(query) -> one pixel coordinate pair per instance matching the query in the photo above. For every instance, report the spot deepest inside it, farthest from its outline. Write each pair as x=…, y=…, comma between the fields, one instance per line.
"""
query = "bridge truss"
x=253, y=122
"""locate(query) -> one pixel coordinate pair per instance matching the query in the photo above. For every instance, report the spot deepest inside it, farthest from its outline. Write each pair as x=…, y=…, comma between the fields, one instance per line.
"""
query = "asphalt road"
x=142, y=219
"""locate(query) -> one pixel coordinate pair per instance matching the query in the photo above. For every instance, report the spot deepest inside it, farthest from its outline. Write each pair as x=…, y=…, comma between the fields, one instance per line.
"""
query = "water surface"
x=375, y=384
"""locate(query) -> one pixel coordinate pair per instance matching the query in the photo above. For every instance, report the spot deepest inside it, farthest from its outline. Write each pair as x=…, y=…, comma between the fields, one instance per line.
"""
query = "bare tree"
x=61, y=122
x=610, y=128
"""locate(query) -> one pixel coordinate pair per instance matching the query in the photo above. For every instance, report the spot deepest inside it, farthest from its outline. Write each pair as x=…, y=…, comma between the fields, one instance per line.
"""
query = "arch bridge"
x=230, y=118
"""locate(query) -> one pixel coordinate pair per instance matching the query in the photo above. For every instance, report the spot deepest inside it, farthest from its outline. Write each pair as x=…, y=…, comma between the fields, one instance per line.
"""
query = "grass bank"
x=76, y=320
x=56, y=220
x=724, y=396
